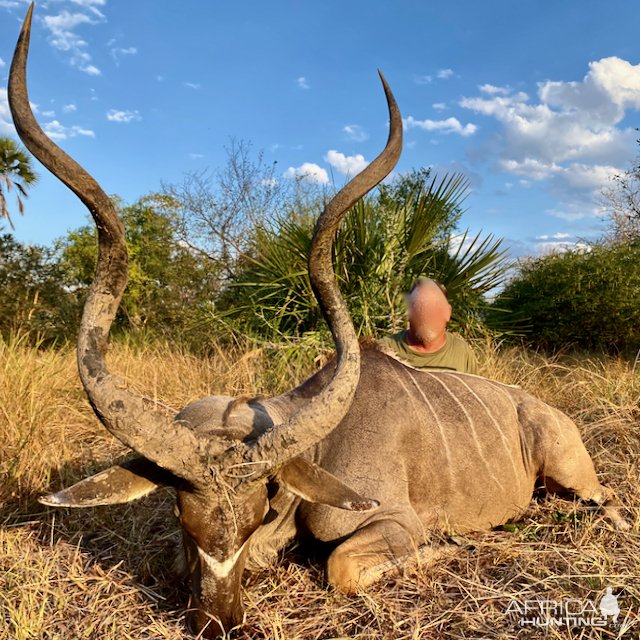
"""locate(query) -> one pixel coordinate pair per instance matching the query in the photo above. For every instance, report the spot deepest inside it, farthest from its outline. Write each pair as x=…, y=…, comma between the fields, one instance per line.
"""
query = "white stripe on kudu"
x=436, y=419
x=493, y=419
x=473, y=430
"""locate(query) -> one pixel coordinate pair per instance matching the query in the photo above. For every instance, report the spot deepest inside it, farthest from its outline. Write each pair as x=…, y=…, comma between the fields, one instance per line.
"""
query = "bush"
x=586, y=299
x=386, y=241
x=33, y=298
x=170, y=287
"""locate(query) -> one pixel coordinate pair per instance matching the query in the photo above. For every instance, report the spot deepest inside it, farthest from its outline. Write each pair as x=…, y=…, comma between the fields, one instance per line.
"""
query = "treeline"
x=201, y=266
x=224, y=254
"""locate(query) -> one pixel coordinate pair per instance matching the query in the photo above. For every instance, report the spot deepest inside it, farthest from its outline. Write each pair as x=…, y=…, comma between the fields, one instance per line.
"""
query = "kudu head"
x=218, y=453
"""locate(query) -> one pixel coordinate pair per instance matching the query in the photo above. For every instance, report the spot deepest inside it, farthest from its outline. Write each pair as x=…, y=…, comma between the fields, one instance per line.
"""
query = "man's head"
x=429, y=310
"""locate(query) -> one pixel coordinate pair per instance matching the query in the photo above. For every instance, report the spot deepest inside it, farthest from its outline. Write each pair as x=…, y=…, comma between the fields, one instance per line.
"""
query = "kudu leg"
x=375, y=550
x=568, y=467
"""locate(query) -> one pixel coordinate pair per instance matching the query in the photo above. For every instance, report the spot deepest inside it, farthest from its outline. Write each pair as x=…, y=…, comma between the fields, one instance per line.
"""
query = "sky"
x=535, y=102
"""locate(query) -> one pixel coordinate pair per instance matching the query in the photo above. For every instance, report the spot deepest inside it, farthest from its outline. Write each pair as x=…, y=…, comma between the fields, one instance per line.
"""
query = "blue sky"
x=536, y=102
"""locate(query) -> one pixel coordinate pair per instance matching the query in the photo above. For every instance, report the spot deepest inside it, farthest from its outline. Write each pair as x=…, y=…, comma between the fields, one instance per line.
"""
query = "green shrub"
x=33, y=299
x=386, y=241
x=586, y=299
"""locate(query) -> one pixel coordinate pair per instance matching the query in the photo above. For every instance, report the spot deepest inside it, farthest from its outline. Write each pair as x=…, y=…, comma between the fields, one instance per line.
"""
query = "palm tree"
x=405, y=230
x=15, y=171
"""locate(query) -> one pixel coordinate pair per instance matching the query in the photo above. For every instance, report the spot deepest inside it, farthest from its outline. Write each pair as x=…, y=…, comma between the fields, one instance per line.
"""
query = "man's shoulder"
x=456, y=354
x=394, y=340
x=462, y=354
x=457, y=341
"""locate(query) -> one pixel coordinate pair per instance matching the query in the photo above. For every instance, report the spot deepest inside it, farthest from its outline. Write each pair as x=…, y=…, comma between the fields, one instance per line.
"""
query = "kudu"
x=367, y=454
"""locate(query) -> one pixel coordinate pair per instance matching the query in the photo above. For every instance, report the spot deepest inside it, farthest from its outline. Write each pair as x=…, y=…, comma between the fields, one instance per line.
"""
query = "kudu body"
x=368, y=454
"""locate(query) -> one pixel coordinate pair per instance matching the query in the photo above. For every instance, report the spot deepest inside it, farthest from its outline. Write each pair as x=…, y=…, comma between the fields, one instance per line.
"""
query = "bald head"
x=429, y=313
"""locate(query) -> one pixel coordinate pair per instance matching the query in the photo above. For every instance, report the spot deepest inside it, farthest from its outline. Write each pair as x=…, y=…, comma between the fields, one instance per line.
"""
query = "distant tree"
x=33, y=298
x=215, y=211
x=15, y=172
x=586, y=299
x=622, y=200
x=170, y=287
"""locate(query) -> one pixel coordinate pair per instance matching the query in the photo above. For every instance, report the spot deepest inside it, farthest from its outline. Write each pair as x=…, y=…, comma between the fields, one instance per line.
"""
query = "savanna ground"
x=106, y=573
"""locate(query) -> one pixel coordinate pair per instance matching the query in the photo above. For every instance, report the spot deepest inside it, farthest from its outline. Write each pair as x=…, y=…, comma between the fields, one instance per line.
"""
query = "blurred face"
x=429, y=312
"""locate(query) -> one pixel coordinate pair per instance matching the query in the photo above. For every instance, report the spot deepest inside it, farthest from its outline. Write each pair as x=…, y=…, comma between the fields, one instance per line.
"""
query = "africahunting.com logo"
x=567, y=613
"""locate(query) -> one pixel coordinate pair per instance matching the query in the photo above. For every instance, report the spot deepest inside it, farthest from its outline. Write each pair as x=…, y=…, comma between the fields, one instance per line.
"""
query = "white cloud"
x=347, y=165
x=546, y=245
x=493, y=90
x=91, y=5
x=439, y=106
x=587, y=176
x=355, y=132
x=530, y=167
x=64, y=38
x=117, y=53
x=57, y=131
x=12, y=4
x=69, y=108
x=450, y=125
x=571, y=121
x=308, y=172
x=611, y=86
x=2, y=63
x=570, y=135
x=556, y=236
x=6, y=124
x=302, y=83
x=115, y=115
x=53, y=128
x=61, y=26
x=441, y=74
x=192, y=85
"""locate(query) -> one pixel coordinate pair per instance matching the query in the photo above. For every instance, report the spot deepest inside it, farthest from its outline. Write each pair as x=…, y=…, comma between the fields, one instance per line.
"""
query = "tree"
x=387, y=239
x=586, y=299
x=15, y=171
x=622, y=199
x=215, y=211
x=33, y=298
x=170, y=287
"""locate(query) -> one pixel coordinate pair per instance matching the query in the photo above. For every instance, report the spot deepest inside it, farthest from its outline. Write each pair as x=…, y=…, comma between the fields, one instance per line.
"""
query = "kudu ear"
x=122, y=483
x=313, y=484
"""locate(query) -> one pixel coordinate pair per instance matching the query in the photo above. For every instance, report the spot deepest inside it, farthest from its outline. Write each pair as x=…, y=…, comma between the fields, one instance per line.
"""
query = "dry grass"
x=105, y=573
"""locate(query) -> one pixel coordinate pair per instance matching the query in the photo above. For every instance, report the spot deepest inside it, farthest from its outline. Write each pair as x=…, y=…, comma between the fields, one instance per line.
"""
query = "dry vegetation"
x=105, y=573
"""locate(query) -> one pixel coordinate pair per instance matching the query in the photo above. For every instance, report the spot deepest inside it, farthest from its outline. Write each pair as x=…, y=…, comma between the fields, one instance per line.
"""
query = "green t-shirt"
x=454, y=355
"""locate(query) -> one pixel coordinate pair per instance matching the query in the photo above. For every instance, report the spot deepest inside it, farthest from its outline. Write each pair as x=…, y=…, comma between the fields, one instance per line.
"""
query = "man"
x=427, y=344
